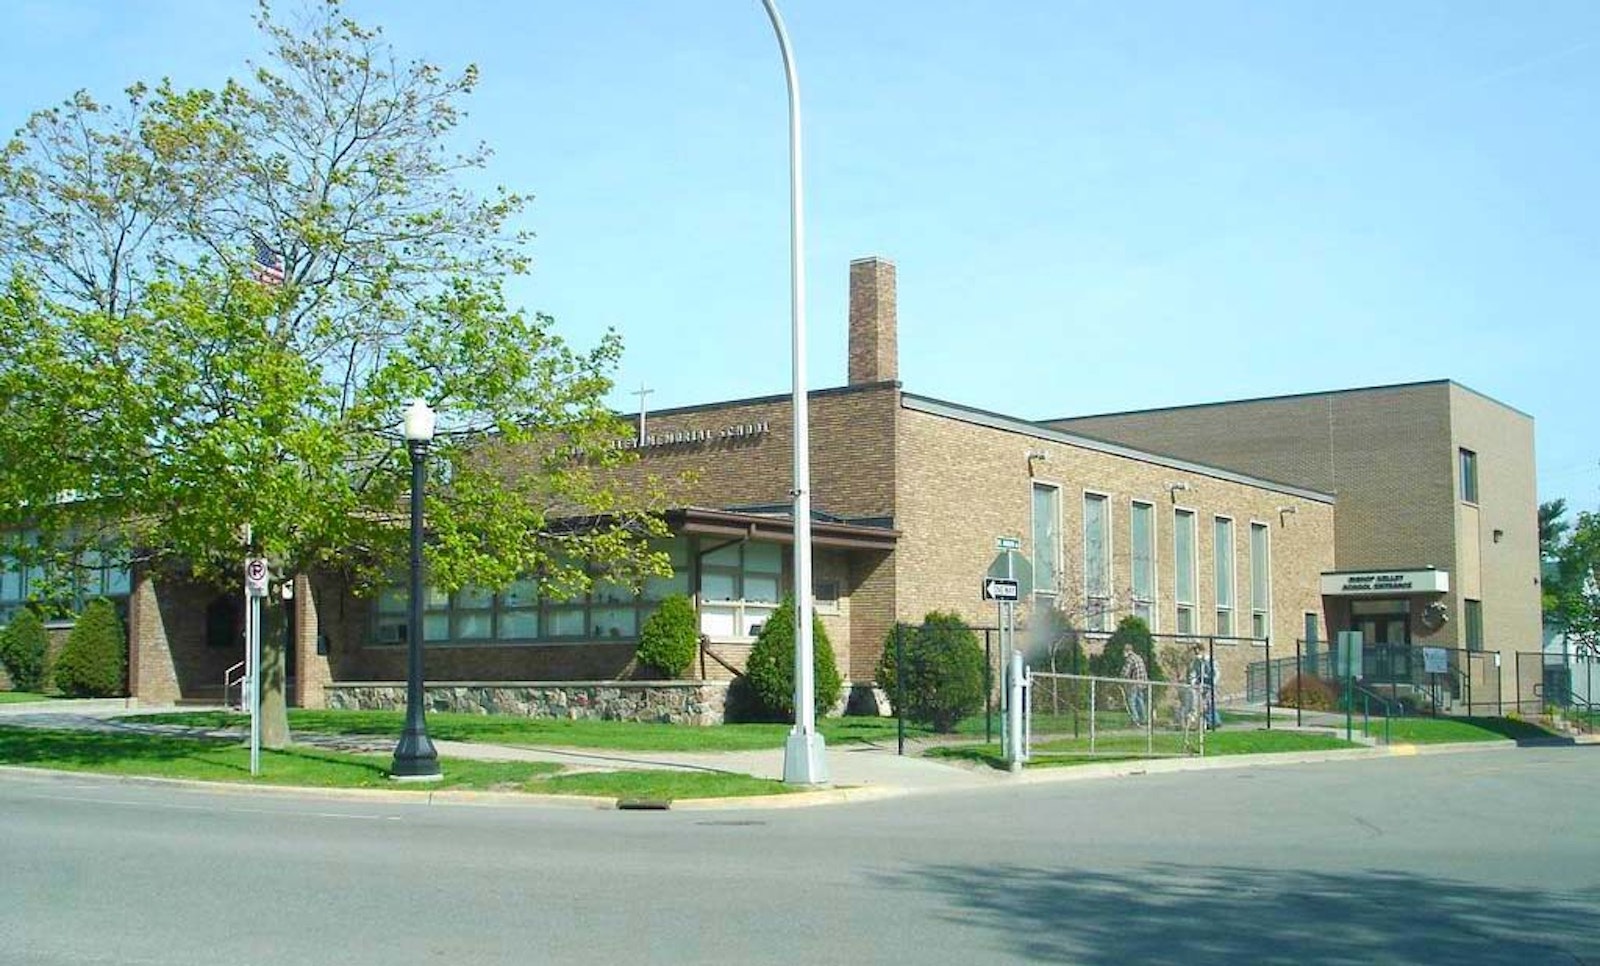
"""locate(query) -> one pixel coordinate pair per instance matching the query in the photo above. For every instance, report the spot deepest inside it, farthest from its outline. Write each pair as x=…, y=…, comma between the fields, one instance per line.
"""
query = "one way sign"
x=996, y=588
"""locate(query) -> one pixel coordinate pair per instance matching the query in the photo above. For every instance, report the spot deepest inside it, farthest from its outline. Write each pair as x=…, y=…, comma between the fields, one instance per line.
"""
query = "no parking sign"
x=255, y=577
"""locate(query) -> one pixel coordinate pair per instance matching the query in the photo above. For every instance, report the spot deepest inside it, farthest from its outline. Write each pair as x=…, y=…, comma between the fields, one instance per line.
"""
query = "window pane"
x=1096, y=546
x=1260, y=563
x=392, y=600
x=676, y=549
x=1473, y=620
x=10, y=580
x=1258, y=624
x=1312, y=627
x=722, y=557
x=1046, y=538
x=606, y=591
x=1224, y=561
x=1469, y=476
x=1142, y=536
x=118, y=579
x=655, y=588
x=716, y=585
x=1183, y=555
x=473, y=625
x=521, y=593
x=565, y=622
x=521, y=625
x=1225, y=623
x=1185, y=620
x=614, y=622
x=474, y=598
x=764, y=558
x=434, y=598
x=436, y=627
x=761, y=587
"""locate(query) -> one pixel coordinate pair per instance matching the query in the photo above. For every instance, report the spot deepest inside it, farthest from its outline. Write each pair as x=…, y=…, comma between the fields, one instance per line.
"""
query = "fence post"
x=1269, y=682
x=899, y=688
x=988, y=688
x=1210, y=706
x=1298, y=671
x=1092, y=706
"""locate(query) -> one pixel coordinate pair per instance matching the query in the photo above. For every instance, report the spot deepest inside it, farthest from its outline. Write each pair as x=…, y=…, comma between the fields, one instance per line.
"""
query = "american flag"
x=269, y=264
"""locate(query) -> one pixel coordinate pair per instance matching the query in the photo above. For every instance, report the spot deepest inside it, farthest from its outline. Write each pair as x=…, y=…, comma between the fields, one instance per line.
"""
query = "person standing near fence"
x=1203, y=682
x=1133, y=669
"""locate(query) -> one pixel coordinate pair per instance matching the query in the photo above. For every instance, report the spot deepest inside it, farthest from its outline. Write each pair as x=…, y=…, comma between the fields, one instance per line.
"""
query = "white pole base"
x=805, y=760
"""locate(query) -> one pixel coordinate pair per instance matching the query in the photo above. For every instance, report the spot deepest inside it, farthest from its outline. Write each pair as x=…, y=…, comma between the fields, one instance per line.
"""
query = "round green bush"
x=943, y=680
x=669, y=638
x=1132, y=632
x=94, y=662
x=770, y=670
x=24, y=649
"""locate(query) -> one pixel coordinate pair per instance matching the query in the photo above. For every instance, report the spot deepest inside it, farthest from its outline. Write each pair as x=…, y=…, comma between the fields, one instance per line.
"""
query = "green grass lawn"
x=199, y=759
x=1427, y=731
x=22, y=697
x=512, y=730
x=1128, y=747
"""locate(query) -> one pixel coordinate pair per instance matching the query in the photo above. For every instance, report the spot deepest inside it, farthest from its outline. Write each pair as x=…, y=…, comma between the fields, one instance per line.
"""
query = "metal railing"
x=228, y=683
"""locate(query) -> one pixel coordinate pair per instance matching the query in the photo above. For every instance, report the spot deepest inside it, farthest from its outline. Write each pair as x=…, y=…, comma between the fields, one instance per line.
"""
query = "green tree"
x=670, y=638
x=770, y=668
x=1132, y=633
x=218, y=302
x=1573, y=606
x=24, y=650
x=942, y=681
x=94, y=662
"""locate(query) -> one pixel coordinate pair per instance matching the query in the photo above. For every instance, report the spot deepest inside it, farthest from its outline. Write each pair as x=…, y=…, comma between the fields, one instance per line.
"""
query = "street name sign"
x=1008, y=543
x=998, y=588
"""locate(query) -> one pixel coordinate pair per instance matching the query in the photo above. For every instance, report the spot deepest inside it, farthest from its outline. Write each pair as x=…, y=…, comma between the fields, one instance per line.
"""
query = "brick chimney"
x=873, y=357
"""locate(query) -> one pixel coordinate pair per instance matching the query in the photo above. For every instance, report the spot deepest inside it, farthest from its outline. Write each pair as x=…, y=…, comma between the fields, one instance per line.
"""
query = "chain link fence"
x=1087, y=716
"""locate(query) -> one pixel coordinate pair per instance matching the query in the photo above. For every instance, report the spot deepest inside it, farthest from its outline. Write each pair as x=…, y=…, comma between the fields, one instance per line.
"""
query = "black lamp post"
x=414, y=757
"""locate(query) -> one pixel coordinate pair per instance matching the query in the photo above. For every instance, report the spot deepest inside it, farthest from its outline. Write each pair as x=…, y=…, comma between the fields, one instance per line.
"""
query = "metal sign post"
x=1349, y=657
x=1005, y=592
x=256, y=579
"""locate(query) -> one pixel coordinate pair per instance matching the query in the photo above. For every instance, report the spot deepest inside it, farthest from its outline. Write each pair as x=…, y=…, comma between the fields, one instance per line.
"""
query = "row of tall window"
x=95, y=573
x=741, y=583
x=1100, y=604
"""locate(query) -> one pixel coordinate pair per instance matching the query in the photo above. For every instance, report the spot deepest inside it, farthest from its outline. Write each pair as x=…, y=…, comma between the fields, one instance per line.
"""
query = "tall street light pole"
x=414, y=757
x=804, y=758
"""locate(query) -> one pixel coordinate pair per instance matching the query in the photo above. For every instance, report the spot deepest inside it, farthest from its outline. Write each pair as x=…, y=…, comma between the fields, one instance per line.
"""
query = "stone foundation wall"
x=666, y=702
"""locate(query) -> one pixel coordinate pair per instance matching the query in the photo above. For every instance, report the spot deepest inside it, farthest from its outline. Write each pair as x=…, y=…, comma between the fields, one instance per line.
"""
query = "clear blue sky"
x=1093, y=207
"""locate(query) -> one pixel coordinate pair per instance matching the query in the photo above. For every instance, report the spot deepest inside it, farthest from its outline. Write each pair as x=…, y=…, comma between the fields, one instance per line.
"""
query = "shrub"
x=1314, y=693
x=24, y=649
x=943, y=674
x=770, y=670
x=94, y=662
x=669, y=638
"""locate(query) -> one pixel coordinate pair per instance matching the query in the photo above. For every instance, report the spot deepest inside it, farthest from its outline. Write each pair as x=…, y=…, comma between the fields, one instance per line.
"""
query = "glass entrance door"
x=1385, y=627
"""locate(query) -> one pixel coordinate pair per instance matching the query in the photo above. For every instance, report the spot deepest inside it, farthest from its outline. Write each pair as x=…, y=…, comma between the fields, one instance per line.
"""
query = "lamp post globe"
x=414, y=757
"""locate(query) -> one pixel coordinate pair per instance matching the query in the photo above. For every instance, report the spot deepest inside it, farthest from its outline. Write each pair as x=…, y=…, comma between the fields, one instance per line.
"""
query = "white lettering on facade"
x=683, y=437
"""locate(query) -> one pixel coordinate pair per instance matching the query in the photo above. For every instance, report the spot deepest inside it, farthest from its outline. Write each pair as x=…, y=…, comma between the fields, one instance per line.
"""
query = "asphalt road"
x=1488, y=857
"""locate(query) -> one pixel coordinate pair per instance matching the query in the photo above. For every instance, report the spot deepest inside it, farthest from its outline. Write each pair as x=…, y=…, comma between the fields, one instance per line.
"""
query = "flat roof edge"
x=979, y=417
x=1293, y=395
x=761, y=400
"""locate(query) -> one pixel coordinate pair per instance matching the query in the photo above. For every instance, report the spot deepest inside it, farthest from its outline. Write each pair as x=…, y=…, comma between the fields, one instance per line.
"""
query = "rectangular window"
x=1046, y=538
x=1096, y=561
x=1472, y=624
x=1469, y=476
x=1313, y=628
x=521, y=614
x=740, y=587
x=1183, y=568
x=1222, y=533
x=1260, y=582
x=1142, y=542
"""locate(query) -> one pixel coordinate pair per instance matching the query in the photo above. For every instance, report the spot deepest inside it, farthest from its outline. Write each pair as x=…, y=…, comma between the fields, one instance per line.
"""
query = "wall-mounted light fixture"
x=1499, y=535
x=1284, y=512
x=1036, y=456
x=1173, y=489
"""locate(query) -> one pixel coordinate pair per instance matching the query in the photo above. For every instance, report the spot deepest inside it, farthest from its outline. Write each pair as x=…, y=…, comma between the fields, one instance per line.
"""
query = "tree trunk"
x=274, y=676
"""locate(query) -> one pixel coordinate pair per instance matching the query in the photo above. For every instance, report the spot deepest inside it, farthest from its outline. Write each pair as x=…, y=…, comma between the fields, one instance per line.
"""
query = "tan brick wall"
x=873, y=322
x=961, y=485
x=313, y=672
x=851, y=471
x=1508, y=568
x=1385, y=452
x=169, y=656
